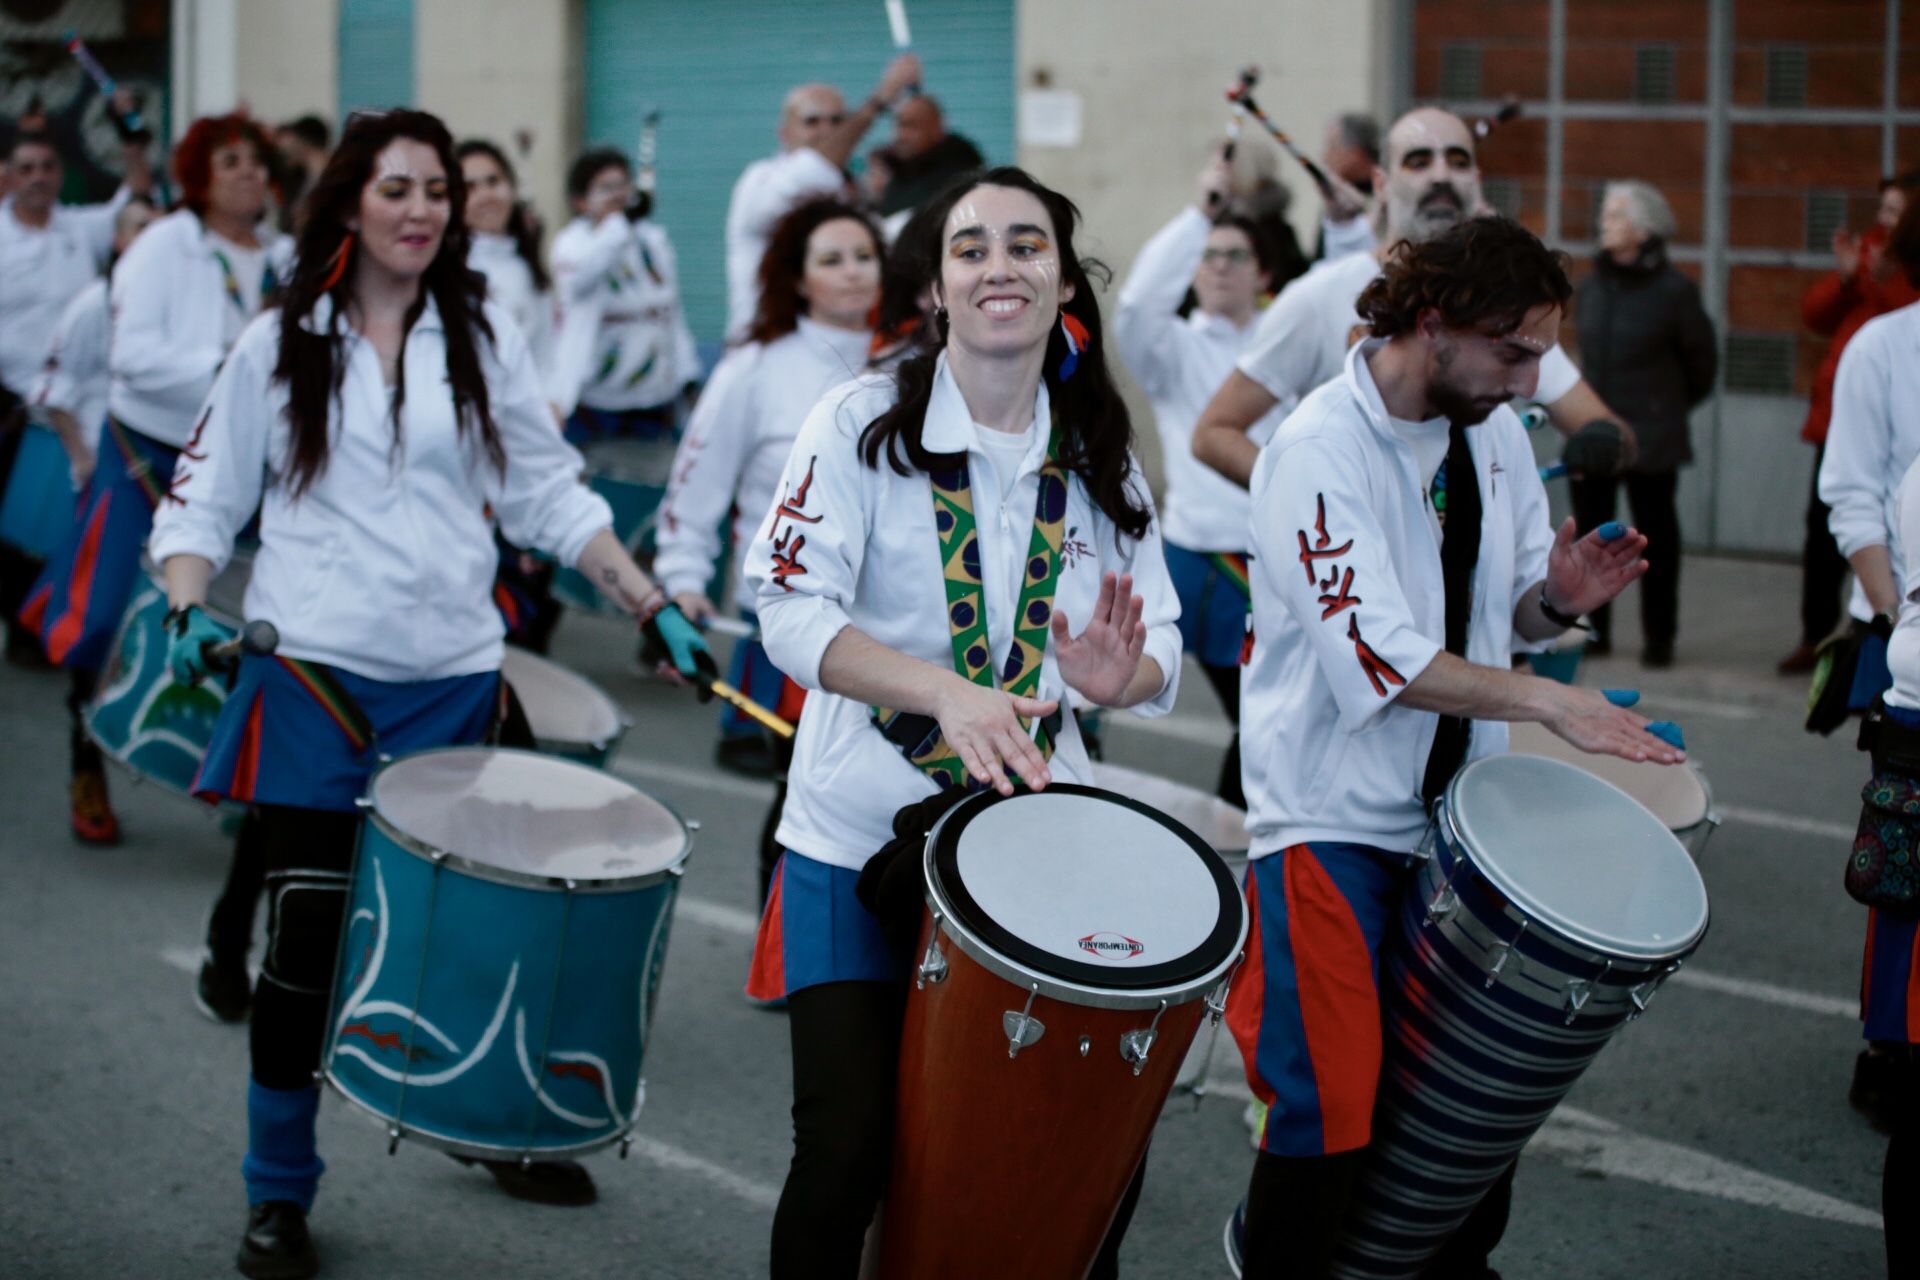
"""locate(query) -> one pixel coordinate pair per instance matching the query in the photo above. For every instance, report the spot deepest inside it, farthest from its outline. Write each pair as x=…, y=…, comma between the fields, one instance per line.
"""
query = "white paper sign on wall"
x=1049, y=118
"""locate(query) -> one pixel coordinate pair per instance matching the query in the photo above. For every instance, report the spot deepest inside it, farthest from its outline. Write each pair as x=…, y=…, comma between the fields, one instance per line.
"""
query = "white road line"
x=708, y=779
x=760, y=1195
x=716, y=915
x=1584, y=1141
x=1788, y=822
x=1768, y=993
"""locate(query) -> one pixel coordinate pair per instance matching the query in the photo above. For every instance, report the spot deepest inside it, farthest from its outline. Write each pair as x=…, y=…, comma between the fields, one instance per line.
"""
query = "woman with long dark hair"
x=180, y=299
x=1014, y=393
x=374, y=418
x=505, y=244
x=812, y=331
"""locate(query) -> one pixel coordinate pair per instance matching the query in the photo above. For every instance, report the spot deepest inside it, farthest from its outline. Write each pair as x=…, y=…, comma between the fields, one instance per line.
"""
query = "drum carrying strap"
x=1456, y=498
x=967, y=607
x=137, y=466
x=1233, y=567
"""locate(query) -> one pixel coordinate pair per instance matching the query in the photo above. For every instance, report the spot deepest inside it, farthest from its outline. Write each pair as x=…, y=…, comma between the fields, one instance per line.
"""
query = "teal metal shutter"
x=376, y=54
x=717, y=74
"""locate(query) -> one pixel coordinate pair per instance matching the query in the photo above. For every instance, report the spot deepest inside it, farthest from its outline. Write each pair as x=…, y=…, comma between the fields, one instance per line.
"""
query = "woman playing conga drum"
x=990, y=472
x=376, y=417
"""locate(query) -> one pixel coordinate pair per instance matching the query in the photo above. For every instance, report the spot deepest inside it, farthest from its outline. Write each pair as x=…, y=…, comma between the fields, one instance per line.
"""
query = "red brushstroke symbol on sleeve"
x=1334, y=599
x=1322, y=548
x=1379, y=671
x=786, y=562
x=188, y=453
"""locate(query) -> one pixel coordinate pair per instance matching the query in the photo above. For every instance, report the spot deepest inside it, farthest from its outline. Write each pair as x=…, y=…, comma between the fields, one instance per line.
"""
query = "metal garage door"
x=717, y=74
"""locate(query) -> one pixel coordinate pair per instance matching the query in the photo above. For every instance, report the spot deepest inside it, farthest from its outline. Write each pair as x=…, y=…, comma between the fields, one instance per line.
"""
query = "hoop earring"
x=337, y=264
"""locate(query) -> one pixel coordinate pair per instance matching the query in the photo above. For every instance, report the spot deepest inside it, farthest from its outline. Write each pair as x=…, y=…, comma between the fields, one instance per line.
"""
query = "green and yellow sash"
x=967, y=608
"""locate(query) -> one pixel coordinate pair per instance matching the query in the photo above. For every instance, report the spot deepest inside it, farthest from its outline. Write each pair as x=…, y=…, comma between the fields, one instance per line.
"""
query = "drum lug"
x=393, y=1138
x=933, y=965
x=1135, y=1045
x=1579, y=991
x=364, y=804
x=1503, y=952
x=1086, y=1045
x=1443, y=904
x=1642, y=995
x=626, y=1145
x=1217, y=998
x=693, y=824
x=1022, y=1028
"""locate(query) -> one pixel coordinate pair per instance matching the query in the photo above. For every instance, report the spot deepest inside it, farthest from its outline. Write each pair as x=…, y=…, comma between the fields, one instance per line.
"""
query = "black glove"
x=1594, y=450
x=668, y=637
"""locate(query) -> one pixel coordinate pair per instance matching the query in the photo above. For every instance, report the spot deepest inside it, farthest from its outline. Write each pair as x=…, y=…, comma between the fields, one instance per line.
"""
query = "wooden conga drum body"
x=1074, y=941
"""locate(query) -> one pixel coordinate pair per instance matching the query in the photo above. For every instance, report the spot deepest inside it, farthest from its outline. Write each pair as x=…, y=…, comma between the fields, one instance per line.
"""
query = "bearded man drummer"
x=1401, y=549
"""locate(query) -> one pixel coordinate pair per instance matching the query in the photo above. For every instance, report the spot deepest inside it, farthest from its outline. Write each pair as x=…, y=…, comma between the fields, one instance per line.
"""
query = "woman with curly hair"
x=374, y=417
x=180, y=298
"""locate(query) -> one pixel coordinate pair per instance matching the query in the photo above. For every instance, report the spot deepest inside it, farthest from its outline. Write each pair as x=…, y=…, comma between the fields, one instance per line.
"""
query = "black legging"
x=1226, y=687
x=1900, y=1178
x=1650, y=497
x=230, y=926
x=1297, y=1205
x=846, y=1047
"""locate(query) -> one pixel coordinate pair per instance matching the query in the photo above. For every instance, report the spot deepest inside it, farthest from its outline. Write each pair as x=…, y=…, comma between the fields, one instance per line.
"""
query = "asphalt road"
x=1712, y=1138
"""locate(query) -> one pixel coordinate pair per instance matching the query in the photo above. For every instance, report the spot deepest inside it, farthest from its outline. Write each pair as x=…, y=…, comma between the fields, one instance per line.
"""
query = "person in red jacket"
x=1864, y=283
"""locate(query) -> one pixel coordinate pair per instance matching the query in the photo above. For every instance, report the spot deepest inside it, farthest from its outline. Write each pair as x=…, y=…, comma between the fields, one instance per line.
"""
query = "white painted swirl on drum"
x=564, y=1055
x=459, y=1068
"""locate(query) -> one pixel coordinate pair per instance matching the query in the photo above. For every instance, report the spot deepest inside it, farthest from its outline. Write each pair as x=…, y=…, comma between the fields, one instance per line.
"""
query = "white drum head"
x=1083, y=884
x=1579, y=855
x=1206, y=815
x=560, y=705
x=528, y=815
x=1674, y=793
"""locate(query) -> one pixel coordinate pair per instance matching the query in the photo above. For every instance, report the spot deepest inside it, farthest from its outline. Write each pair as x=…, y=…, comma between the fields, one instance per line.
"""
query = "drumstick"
x=1236, y=118
x=130, y=124
x=733, y=627
x=1334, y=189
x=751, y=708
x=643, y=179
x=1509, y=111
x=258, y=638
x=901, y=32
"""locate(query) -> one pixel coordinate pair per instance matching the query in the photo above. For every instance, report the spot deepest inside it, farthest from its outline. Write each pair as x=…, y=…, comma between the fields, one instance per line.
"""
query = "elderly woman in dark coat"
x=1648, y=349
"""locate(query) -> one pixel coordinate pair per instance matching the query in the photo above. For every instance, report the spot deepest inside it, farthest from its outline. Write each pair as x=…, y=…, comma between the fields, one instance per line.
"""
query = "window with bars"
x=1786, y=75
x=1653, y=73
x=1761, y=363
x=1503, y=194
x=1460, y=71
x=1826, y=214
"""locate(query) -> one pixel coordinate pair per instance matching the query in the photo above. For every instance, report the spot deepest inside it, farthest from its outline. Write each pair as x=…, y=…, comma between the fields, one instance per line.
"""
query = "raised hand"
x=982, y=725
x=1101, y=660
x=1583, y=575
x=1591, y=722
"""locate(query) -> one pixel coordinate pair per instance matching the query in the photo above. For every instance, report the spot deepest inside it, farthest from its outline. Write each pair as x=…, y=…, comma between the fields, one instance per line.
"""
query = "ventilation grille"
x=1826, y=214
x=1786, y=75
x=1460, y=72
x=1653, y=73
x=1760, y=362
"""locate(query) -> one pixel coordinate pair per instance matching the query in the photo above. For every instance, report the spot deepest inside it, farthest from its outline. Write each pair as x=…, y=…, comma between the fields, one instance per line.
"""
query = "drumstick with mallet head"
x=1335, y=190
x=1249, y=76
x=129, y=126
x=901, y=32
x=644, y=172
x=1509, y=112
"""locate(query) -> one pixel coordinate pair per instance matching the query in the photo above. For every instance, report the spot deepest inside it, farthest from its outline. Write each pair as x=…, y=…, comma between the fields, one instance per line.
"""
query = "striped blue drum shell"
x=506, y=929
x=1551, y=909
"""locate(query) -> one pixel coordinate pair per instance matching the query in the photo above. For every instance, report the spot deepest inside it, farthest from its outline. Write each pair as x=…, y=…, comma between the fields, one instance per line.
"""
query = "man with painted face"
x=1431, y=183
x=817, y=137
x=1406, y=489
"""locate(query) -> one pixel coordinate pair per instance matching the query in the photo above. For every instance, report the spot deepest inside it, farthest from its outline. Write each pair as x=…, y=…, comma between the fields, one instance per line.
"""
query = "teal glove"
x=671, y=638
x=193, y=632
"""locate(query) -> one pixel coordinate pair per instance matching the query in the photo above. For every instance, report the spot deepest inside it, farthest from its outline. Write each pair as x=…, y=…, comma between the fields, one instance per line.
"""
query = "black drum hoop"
x=969, y=915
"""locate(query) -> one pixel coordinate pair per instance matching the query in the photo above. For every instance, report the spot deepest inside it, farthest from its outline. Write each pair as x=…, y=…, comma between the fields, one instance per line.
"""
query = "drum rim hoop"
x=1555, y=922
x=478, y=870
x=622, y=722
x=1019, y=962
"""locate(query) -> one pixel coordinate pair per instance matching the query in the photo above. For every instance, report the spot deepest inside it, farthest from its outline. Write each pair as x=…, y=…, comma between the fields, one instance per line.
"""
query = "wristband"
x=656, y=601
x=1553, y=615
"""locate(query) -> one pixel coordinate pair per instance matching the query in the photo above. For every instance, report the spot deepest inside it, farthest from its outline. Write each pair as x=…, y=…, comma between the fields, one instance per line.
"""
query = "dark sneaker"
x=749, y=756
x=224, y=992
x=1800, y=662
x=277, y=1246
x=90, y=812
x=562, y=1182
x=1233, y=1239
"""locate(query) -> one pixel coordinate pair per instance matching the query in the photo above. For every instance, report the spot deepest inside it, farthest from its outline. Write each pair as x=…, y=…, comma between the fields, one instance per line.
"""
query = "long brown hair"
x=1096, y=433
x=784, y=265
x=311, y=364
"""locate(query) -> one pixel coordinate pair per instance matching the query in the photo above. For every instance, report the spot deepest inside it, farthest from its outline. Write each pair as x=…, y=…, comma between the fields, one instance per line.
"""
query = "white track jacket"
x=385, y=566
x=851, y=545
x=1349, y=608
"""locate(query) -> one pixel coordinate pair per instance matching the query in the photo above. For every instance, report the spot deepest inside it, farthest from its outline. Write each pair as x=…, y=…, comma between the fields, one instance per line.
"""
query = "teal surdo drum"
x=570, y=715
x=140, y=717
x=502, y=951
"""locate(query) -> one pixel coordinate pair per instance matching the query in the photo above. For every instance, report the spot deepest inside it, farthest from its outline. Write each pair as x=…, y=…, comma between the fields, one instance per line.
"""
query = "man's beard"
x=1453, y=404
